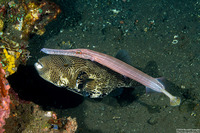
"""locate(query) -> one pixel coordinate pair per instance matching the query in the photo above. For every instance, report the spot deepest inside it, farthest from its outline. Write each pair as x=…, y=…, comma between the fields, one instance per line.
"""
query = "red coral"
x=4, y=99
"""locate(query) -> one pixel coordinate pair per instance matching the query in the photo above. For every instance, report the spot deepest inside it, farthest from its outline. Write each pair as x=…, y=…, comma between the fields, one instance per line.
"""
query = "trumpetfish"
x=119, y=67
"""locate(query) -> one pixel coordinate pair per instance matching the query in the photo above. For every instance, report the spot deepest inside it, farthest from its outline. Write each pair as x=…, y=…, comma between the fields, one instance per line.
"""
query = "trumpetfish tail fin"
x=174, y=101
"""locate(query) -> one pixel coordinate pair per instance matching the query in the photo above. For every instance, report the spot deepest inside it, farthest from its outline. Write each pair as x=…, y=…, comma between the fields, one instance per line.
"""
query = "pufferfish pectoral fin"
x=85, y=91
x=92, y=90
x=82, y=83
x=81, y=87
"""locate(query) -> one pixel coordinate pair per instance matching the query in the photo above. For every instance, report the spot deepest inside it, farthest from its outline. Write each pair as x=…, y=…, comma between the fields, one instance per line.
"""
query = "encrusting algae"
x=1, y=25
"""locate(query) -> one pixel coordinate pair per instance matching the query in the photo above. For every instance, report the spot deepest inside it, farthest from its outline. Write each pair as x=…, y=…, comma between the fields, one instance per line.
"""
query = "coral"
x=67, y=125
x=38, y=15
x=19, y=19
x=71, y=125
x=4, y=99
x=45, y=121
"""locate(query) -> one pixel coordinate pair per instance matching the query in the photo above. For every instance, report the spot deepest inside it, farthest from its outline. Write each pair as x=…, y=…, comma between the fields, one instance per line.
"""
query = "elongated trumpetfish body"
x=117, y=66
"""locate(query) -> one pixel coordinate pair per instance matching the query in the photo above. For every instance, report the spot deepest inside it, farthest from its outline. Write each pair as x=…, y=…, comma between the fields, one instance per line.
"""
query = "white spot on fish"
x=38, y=66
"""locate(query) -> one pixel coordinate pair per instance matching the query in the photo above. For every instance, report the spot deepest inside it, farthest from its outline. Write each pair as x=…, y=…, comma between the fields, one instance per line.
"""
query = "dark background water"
x=162, y=38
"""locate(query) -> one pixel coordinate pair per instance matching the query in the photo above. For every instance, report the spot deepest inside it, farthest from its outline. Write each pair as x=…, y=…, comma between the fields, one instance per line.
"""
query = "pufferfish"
x=81, y=76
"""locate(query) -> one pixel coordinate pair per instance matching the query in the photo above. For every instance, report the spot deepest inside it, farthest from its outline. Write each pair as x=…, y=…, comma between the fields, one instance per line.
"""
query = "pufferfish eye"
x=38, y=65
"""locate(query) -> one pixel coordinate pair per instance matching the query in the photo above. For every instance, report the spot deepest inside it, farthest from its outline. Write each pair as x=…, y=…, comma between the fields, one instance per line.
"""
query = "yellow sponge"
x=10, y=61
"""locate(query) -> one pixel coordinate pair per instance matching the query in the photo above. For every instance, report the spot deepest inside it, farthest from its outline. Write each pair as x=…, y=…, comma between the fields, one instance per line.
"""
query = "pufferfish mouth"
x=38, y=65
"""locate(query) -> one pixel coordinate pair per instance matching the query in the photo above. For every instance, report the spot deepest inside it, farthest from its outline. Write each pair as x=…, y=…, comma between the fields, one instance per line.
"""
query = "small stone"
x=182, y=87
x=152, y=121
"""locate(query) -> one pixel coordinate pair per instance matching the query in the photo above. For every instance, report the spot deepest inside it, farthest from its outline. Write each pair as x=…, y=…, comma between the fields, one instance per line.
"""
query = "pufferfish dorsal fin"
x=124, y=56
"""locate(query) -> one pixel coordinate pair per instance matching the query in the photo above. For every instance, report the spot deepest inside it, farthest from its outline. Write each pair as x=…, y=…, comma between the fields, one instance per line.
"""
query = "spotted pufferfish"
x=81, y=76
